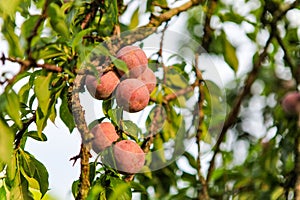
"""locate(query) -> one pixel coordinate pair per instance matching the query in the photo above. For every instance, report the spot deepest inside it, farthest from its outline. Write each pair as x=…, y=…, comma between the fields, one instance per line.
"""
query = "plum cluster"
x=132, y=92
x=128, y=155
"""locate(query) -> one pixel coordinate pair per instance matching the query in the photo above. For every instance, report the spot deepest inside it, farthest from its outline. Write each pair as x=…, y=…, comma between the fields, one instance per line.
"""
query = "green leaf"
x=131, y=128
x=191, y=159
x=230, y=54
x=2, y=193
x=6, y=142
x=120, y=64
x=115, y=115
x=8, y=31
x=20, y=189
x=159, y=148
x=121, y=190
x=134, y=22
x=36, y=170
x=101, y=50
x=64, y=111
x=75, y=186
x=9, y=9
x=42, y=92
x=57, y=20
x=79, y=36
x=13, y=107
x=28, y=25
x=36, y=136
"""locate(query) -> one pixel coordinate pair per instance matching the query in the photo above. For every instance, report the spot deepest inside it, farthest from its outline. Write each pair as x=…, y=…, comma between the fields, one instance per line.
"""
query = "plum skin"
x=148, y=77
x=135, y=59
x=129, y=156
x=103, y=88
x=104, y=135
x=132, y=95
x=291, y=103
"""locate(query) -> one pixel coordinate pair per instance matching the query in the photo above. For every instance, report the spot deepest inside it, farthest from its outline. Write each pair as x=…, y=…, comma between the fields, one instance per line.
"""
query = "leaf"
x=131, y=128
x=36, y=136
x=13, y=107
x=115, y=115
x=28, y=25
x=42, y=92
x=75, y=186
x=57, y=20
x=2, y=193
x=120, y=64
x=79, y=36
x=191, y=159
x=35, y=169
x=230, y=54
x=9, y=9
x=6, y=142
x=121, y=190
x=20, y=189
x=100, y=49
x=8, y=31
x=64, y=111
x=134, y=22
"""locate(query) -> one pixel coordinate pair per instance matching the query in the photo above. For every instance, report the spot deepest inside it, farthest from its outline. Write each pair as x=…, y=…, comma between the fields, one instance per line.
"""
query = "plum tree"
x=148, y=77
x=103, y=88
x=132, y=95
x=291, y=102
x=135, y=59
x=104, y=135
x=129, y=156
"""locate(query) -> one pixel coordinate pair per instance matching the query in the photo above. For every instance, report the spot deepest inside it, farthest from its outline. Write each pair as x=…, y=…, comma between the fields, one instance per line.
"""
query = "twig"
x=86, y=136
x=297, y=163
x=231, y=119
x=203, y=191
x=91, y=15
x=36, y=27
x=20, y=134
x=26, y=64
x=207, y=37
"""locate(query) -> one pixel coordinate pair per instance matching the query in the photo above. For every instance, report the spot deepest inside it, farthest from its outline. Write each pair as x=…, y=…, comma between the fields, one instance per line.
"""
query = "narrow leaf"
x=230, y=55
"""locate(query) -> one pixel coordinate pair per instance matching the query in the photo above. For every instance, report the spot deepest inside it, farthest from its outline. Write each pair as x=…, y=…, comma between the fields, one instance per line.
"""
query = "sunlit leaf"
x=230, y=54
x=134, y=22
x=6, y=142
x=35, y=169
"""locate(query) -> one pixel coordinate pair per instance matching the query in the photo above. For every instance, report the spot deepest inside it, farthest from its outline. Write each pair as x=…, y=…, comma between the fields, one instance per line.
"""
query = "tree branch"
x=86, y=136
x=203, y=191
x=20, y=134
x=34, y=32
x=297, y=163
x=232, y=116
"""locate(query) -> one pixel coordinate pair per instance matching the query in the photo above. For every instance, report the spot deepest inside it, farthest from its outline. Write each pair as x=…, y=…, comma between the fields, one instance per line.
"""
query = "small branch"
x=287, y=57
x=27, y=64
x=203, y=191
x=21, y=132
x=36, y=27
x=207, y=37
x=91, y=15
x=155, y=21
x=297, y=161
x=232, y=116
x=86, y=136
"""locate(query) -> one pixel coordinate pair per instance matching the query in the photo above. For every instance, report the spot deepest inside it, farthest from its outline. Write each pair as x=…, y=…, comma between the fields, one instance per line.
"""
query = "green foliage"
x=66, y=38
